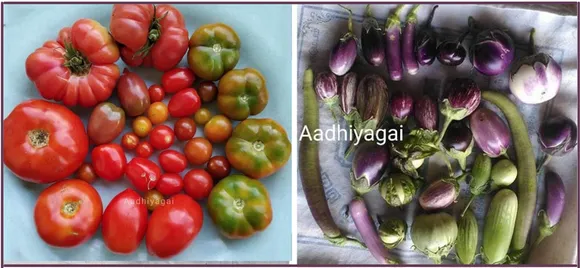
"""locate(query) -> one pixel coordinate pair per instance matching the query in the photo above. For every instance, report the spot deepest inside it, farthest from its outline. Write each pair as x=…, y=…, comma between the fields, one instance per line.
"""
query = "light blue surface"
x=265, y=32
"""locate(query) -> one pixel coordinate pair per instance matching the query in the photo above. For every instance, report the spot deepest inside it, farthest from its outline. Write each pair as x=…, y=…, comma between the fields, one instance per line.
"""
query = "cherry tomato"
x=162, y=137
x=124, y=222
x=218, y=129
x=202, y=116
x=184, y=128
x=157, y=113
x=177, y=79
x=144, y=149
x=86, y=173
x=197, y=183
x=170, y=184
x=207, y=91
x=153, y=199
x=142, y=126
x=184, y=103
x=218, y=167
x=166, y=235
x=172, y=161
x=156, y=93
x=130, y=141
x=143, y=173
x=109, y=161
x=198, y=150
x=68, y=213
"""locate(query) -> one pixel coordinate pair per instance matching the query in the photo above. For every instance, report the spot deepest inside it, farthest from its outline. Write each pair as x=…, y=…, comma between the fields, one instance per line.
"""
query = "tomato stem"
x=154, y=34
x=38, y=138
x=70, y=208
x=75, y=61
x=258, y=146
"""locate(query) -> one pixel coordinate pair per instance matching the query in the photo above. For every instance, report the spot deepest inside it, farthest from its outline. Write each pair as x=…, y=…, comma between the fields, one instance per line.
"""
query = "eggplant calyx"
x=412, y=16
x=350, y=30
x=393, y=20
x=342, y=240
x=460, y=156
x=360, y=185
x=544, y=227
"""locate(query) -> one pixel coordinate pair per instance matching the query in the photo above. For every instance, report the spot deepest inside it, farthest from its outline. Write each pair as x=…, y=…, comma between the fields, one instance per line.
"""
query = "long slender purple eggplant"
x=426, y=42
x=393, y=44
x=555, y=197
x=371, y=37
x=344, y=53
x=408, y=49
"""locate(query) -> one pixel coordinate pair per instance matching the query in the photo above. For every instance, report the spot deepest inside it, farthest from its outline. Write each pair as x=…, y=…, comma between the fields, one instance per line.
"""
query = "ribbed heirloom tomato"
x=124, y=222
x=151, y=35
x=43, y=141
x=79, y=67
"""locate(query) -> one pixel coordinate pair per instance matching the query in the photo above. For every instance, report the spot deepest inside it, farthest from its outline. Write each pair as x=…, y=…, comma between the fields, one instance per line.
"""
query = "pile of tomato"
x=46, y=143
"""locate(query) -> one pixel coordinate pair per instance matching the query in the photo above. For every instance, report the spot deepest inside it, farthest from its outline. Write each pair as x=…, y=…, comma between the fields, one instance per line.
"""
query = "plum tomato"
x=144, y=149
x=184, y=103
x=133, y=93
x=129, y=141
x=157, y=113
x=169, y=184
x=172, y=161
x=156, y=93
x=202, y=116
x=124, y=222
x=87, y=173
x=184, y=128
x=177, y=79
x=161, y=137
x=197, y=183
x=106, y=122
x=218, y=129
x=143, y=173
x=153, y=199
x=109, y=161
x=207, y=91
x=198, y=151
x=218, y=167
x=142, y=126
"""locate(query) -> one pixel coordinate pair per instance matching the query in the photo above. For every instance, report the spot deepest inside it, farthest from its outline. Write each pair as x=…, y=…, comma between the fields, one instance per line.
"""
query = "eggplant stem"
x=430, y=18
x=349, y=18
x=446, y=124
x=393, y=19
x=368, y=12
x=532, y=48
x=543, y=162
x=462, y=37
x=412, y=16
x=448, y=164
x=468, y=204
x=504, y=154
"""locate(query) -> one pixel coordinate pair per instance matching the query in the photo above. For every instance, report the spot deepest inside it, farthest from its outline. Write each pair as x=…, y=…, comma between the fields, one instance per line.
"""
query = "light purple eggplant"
x=439, y=194
x=344, y=53
x=491, y=134
x=426, y=113
x=393, y=45
x=555, y=199
x=401, y=107
x=347, y=92
x=408, y=46
x=326, y=87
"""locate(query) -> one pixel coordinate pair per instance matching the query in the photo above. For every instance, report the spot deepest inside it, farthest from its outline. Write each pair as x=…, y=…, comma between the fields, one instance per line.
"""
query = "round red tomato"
x=172, y=161
x=161, y=137
x=218, y=167
x=156, y=93
x=43, y=142
x=130, y=141
x=109, y=161
x=198, y=151
x=143, y=173
x=184, y=103
x=68, y=213
x=197, y=183
x=177, y=79
x=77, y=69
x=184, y=128
x=124, y=222
x=151, y=36
x=144, y=149
x=167, y=236
x=170, y=184
x=87, y=173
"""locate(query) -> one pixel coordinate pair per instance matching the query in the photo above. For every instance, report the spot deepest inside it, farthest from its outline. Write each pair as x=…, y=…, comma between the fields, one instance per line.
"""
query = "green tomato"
x=214, y=49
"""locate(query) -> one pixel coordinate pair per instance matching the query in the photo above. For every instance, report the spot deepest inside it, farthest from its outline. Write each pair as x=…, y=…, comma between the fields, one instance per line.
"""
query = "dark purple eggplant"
x=369, y=164
x=491, y=134
x=557, y=136
x=439, y=194
x=555, y=198
x=401, y=107
x=458, y=142
x=344, y=53
x=373, y=45
x=426, y=42
x=393, y=45
x=347, y=92
x=327, y=90
x=426, y=113
x=452, y=53
x=492, y=51
x=408, y=47
x=462, y=98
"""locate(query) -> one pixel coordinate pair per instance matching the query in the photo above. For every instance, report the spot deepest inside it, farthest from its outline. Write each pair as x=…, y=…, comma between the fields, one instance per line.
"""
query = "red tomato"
x=184, y=103
x=197, y=183
x=109, y=161
x=160, y=42
x=144, y=149
x=124, y=222
x=218, y=167
x=184, y=128
x=130, y=141
x=143, y=173
x=168, y=234
x=177, y=79
x=161, y=137
x=84, y=73
x=156, y=93
x=43, y=142
x=170, y=184
x=172, y=161
x=68, y=213
x=87, y=173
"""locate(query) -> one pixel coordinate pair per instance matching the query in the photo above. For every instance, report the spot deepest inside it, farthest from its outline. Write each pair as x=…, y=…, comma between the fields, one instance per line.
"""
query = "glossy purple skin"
x=401, y=106
x=342, y=56
x=326, y=85
x=407, y=50
x=367, y=230
x=464, y=93
x=347, y=92
x=426, y=113
x=370, y=162
x=492, y=52
x=393, y=45
x=491, y=134
x=458, y=136
x=558, y=135
x=373, y=45
x=426, y=42
x=555, y=197
x=450, y=53
x=438, y=195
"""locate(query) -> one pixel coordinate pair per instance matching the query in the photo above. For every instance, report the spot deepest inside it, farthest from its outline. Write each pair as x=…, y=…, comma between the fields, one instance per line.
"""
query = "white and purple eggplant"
x=347, y=92
x=344, y=53
x=439, y=194
x=490, y=132
x=393, y=45
x=426, y=42
x=557, y=137
x=401, y=107
x=492, y=50
x=458, y=142
x=452, y=53
x=555, y=199
x=463, y=97
x=535, y=78
x=326, y=87
x=369, y=164
x=372, y=42
x=408, y=38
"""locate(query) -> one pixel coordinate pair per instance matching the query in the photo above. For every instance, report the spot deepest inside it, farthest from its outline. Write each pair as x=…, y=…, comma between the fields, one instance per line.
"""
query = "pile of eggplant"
x=455, y=126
